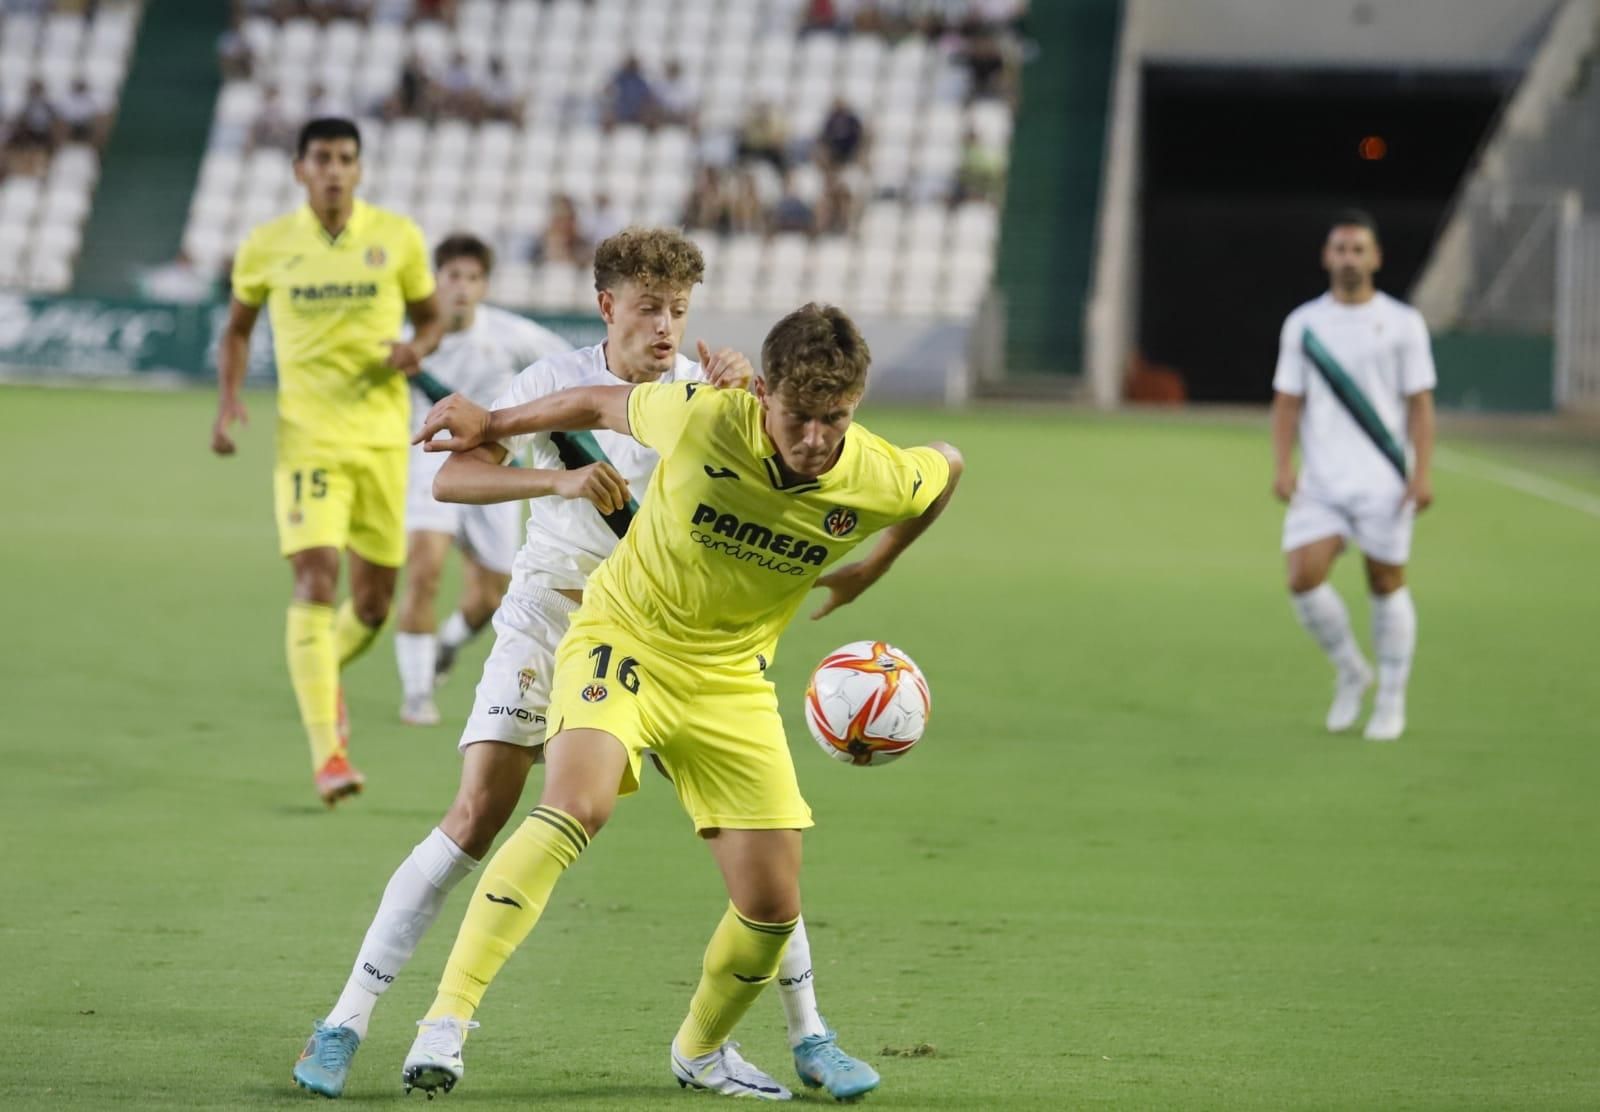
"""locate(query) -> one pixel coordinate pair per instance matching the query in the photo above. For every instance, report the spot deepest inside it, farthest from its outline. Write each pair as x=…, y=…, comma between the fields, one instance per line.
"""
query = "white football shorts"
x=1377, y=522
x=514, y=692
x=491, y=535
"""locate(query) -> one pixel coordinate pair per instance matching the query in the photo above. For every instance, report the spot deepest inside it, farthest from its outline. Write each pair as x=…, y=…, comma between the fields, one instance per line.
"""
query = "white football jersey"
x=1382, y=346
x=567, y=538
x=481, y=361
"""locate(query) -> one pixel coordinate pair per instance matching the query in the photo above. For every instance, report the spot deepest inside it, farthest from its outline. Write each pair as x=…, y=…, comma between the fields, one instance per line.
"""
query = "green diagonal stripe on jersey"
x=1354, y=401
x=580, y=449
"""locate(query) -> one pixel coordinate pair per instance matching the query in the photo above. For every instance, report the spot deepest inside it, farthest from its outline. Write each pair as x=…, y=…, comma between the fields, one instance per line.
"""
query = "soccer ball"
x=867, y=703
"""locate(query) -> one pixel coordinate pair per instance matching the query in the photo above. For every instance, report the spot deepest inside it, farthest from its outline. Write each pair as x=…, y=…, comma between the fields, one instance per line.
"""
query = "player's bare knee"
x=475, y=818
x=592, y=812
x=1302, y=580
x=316, y=576
x=1385, y=579
x=769, y=906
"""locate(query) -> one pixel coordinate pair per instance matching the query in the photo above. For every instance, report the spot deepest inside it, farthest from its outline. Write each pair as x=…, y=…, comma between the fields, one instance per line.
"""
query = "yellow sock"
x=314, y=673
x=515, y=886
x=352, y=636
x=742, y=957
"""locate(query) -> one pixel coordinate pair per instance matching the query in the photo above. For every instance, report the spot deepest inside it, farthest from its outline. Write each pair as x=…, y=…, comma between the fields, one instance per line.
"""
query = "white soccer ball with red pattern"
x=867, y=703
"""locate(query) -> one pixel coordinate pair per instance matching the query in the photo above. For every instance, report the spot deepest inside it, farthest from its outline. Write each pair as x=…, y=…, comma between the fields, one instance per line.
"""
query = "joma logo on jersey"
x=328, y=291
x=759, y=536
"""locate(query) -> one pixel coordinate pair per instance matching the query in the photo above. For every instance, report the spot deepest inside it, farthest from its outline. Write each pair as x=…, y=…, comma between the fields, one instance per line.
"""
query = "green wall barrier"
x=1495, y=372
x=68, y=338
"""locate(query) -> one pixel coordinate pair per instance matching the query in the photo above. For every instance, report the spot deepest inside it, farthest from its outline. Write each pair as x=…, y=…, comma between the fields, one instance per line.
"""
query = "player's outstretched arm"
x=846, y=583
x=477, y=478
x=469, y=424
x=1285, y=428
x=233, y=361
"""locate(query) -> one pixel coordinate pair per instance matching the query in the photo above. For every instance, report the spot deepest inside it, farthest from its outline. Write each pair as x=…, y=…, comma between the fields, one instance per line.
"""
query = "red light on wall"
x=1372, y=148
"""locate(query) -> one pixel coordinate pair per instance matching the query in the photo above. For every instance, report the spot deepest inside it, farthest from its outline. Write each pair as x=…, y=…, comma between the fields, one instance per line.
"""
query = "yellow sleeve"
x=658, y=412
x=416, y=277
x=249, y=278
x=924, y=473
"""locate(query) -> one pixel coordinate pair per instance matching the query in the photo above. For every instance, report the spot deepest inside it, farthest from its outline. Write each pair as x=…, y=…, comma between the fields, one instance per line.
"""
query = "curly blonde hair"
x=652, y=257
x=816, y=356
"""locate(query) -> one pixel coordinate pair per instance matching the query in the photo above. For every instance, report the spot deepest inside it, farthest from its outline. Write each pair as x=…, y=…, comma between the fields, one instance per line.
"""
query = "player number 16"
x=627, y=668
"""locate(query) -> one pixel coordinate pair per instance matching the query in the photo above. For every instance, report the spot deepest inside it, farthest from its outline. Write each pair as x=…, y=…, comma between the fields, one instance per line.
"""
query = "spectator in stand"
x=746, y=214
x=82, y=115
x=458, y=90
x=413, y=95
x=821, y=15
x=985, y=60
x=836, y=208
x=980, y=172
x=763, y=135
x=36, y=131
x=500, y=100
x=443, y=11
x=272, y=127
x=708, y=206
x=675, y=100
x=629, y=98
x=233, y=55
x=563, y=240
x=791, y=213
x=842, y=135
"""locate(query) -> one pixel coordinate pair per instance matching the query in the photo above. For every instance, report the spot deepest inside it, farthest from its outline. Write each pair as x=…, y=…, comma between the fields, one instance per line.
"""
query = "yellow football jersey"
x=722, y=553
x=333, y=302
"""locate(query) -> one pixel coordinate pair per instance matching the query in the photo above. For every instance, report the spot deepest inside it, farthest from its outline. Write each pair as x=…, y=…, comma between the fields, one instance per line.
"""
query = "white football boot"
x=1348, y=690
x=724, y=1071
x=434, y=1062
x=1388, y=719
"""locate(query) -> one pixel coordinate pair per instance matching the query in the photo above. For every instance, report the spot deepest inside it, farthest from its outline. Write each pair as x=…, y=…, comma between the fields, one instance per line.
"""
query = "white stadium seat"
x=909, y=253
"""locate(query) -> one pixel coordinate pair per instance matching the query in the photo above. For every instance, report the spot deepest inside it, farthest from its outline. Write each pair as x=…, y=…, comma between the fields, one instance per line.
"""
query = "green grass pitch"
x=1125, y=869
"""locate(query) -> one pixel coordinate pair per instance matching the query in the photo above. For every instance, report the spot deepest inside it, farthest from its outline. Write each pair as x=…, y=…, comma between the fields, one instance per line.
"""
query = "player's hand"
x=844, y=585
x=725, y=368
x=1419, y=492
x=229, y=410
x=466, y=421
x=1283, y=485
x=600, y=483
x=403, y=357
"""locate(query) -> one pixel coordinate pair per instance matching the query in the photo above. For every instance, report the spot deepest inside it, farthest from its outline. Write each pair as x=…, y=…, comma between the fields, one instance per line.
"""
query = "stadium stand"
x=61, y=72
x=856, y=152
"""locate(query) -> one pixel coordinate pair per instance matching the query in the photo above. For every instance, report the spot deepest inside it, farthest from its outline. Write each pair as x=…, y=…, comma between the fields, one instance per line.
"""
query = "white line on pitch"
x=1528, y=482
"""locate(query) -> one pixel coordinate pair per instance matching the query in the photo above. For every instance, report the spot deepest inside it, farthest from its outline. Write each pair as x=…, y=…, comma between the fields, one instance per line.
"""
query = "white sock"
x=797, y=988
x=1322, y=612
x=1394, y=640
x=456, y=632
x=410, y=904
x=414, y=652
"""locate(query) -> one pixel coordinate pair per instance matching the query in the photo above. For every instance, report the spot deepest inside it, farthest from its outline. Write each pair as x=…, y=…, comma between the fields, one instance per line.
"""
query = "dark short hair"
x=1354, y=218
x=816, y=356
x=327, y=127
x=463, y=245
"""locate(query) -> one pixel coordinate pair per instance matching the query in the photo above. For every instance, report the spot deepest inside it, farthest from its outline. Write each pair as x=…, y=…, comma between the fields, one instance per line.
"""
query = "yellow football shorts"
x=346, y=498
x=717, y=730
